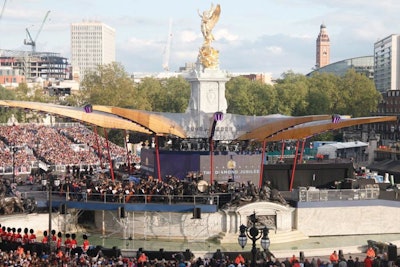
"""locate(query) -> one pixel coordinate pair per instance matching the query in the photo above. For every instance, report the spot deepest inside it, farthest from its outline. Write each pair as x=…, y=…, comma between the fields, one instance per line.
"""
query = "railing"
x=8, y=170
x=310, y=195
x=200, y=199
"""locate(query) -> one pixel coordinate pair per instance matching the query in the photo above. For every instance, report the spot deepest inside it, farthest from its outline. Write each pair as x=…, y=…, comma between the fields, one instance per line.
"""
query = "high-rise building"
x=92, y=44
x=387, y=63
x=323, y=48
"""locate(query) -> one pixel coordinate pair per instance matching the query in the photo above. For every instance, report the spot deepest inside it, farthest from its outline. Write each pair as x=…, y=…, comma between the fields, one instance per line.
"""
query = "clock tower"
x=323, y=48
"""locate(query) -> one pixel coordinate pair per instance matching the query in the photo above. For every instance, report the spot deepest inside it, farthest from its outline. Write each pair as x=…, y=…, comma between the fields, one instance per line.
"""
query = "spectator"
x=239, y=259
x=350, y=262
x=370, y=252
x=334, y=258
x=367, y=262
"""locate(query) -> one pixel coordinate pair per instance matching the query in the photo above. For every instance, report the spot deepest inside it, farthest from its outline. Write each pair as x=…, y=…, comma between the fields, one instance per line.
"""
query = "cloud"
x=142, y=44
x=223, y=34
x=276, y=50
x=186, y=36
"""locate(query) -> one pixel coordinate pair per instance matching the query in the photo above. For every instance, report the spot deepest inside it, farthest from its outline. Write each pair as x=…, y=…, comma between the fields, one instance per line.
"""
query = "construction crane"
x=31, y=41
x=3, y=8
x=167, y=48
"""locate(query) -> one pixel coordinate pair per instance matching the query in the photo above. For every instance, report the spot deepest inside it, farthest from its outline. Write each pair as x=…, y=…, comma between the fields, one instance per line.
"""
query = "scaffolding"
x=33, y=65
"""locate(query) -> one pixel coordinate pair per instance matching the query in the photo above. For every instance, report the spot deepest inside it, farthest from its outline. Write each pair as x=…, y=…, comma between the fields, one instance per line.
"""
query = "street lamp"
x=50, y=182
x=254, y=234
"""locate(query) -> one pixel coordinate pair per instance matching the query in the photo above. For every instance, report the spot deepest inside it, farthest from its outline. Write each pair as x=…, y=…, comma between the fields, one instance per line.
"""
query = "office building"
x=92, y=44
x=323, y=48
x=386, y=63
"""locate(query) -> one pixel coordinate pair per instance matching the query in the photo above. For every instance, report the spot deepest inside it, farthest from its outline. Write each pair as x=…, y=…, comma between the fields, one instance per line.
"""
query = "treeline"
x=292, y=94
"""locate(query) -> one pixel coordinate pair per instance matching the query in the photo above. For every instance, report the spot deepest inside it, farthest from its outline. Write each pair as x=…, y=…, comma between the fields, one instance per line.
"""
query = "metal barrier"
x=309, y=195
x=123, y=198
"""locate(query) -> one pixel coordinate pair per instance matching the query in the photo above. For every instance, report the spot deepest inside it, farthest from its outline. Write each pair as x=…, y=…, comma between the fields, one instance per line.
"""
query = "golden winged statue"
x=208, y=20
x=208, y=56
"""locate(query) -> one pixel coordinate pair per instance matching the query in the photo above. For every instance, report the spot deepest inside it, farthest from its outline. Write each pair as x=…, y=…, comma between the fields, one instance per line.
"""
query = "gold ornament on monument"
x=208, y=56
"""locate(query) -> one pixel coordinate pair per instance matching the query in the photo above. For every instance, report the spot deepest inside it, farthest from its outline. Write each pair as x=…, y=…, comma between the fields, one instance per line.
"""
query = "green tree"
x=5, y=112
x=74, y=100
x=360, y=96
x=34, y=94
x=321, y=87
x=292, y=91
x=263, y=98
x=150, y=89
x=175, y=95
x=110, y=85
x=238, y=96
x=6, y=94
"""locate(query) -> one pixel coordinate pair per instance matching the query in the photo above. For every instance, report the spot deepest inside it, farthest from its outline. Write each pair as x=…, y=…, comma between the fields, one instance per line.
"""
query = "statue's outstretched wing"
x=214, y=17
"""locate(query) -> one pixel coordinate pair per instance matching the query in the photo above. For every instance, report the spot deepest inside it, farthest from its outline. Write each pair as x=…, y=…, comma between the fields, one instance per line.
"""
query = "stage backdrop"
x=237, y=167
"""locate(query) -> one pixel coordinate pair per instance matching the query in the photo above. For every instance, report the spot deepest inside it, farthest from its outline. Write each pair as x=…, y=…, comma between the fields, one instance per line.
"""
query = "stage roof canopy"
x=151, y=123
x=307, y=130
x=144, y=123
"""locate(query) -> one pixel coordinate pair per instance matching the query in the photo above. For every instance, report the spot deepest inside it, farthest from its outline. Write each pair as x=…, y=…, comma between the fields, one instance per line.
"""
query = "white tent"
x=346, y=150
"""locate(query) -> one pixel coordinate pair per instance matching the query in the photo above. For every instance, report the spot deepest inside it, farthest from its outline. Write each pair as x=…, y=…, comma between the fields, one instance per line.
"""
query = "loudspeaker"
x=63, y=209
x=197, y=213
x=121, y=211
x=392, y=252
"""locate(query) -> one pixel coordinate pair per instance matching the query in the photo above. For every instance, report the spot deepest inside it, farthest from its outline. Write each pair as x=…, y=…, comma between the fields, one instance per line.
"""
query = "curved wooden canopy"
x=98, y=118
x=146, y=122
x=278, y=125
x=309, y=129
x=155, y=123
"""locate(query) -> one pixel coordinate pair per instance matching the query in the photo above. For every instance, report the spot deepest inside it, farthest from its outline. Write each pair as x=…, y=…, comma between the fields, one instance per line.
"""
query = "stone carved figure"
x=9, y=203
x=251, y=193
x=265, y=192
x=208, y=56
x=277, y=197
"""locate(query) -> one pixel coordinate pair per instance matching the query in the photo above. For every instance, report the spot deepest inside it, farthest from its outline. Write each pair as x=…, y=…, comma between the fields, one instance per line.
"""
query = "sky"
x=270, y=36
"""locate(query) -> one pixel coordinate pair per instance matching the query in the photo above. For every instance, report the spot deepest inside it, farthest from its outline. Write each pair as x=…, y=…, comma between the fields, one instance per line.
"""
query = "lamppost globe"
x=242, y=239
x=265, y=242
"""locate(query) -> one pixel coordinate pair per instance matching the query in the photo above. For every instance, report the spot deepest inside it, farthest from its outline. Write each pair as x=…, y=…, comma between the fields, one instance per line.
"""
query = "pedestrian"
x=350, y=262
x=239, y=259
x=342, y=262
x=367, y=262
x=371, y=252
x=334, y=258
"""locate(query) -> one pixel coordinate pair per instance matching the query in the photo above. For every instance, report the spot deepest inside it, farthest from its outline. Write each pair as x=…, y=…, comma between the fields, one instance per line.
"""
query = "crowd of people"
x=372, y=258
x=23, y=248
x=23, y=145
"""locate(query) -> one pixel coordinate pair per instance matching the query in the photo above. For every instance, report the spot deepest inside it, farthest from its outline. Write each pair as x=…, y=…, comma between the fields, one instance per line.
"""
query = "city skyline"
x=261, y=36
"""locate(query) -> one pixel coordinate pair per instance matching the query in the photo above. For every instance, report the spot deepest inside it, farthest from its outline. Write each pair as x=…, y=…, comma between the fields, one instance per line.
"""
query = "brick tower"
x=323, y=48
